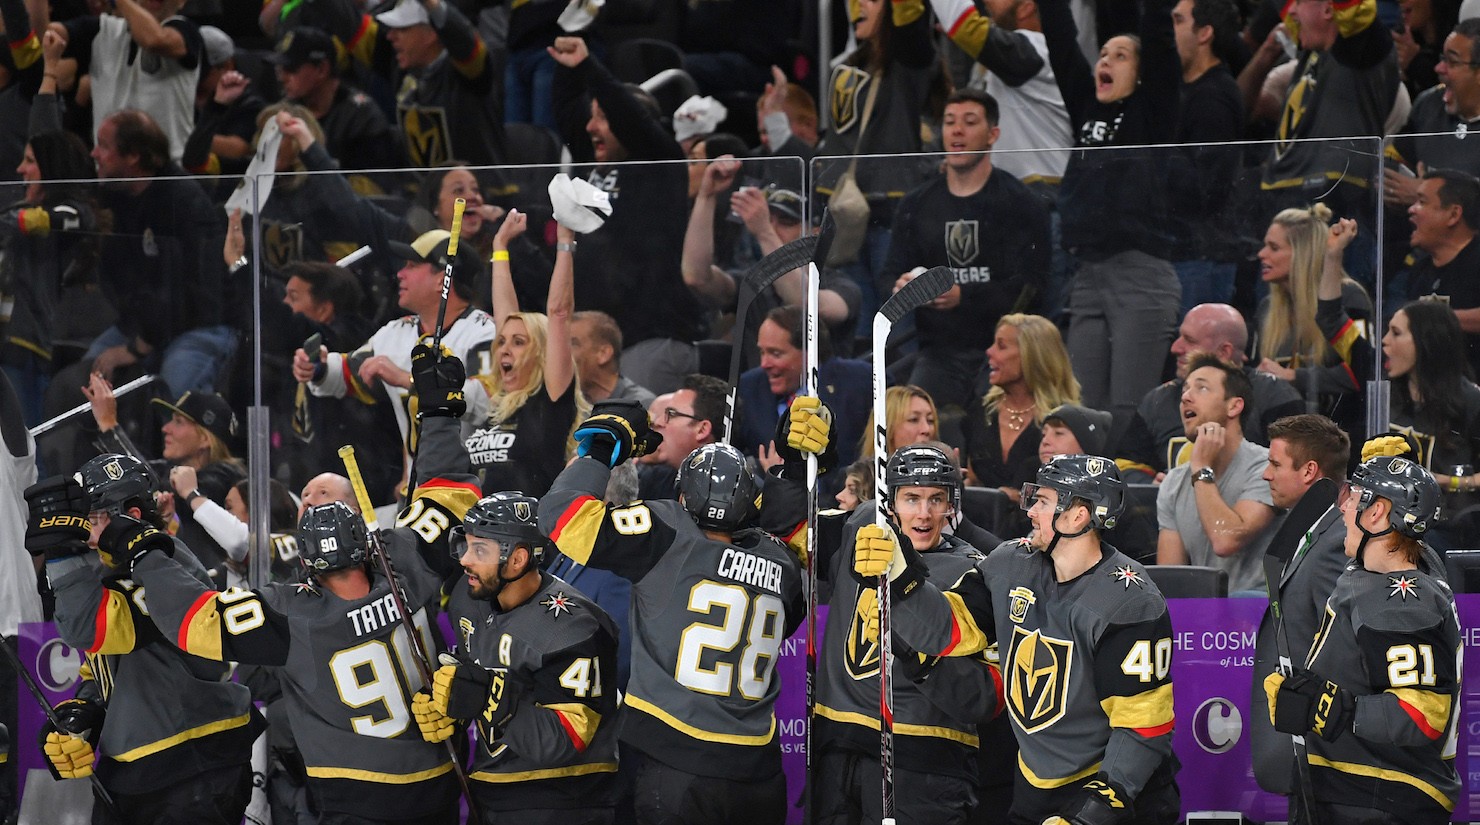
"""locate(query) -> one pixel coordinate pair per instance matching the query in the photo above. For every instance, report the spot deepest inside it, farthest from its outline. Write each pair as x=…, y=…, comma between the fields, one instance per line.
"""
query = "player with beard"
x=1086, y=649
x=537, y=675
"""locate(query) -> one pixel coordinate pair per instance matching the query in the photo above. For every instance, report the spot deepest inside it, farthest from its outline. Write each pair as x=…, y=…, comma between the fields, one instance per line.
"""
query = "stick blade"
x=825, y=238
x=926, y=287
x=784, y=259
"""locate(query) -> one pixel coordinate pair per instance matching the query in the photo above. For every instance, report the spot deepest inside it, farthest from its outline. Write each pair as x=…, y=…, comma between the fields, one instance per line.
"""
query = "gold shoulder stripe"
x=546, y=773
x=183, y=736
x=635, y=703
x=579, y=721
x=454, y=497
x=1152, y=709
x=200, y=634
x=576, y=531
x=113, y=627
x=1386, y=775
x=321, y=772
x=966, y=637
x=1048, y=784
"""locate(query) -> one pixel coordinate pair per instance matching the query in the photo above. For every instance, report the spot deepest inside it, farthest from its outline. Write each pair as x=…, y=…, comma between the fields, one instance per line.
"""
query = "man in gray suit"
x=1308, y=456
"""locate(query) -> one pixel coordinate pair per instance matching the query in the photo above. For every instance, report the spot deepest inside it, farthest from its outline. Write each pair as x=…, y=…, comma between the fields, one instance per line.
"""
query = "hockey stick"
x=761, y=275
x=53, y=423
x=383, y=560
x=457, y=215
x=810, y=386
x=918, y=292
x=1283, y=547
x=56, y=722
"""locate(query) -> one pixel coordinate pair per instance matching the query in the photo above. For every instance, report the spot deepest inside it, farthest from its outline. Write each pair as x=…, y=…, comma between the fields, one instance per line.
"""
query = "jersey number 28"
x=758, y=623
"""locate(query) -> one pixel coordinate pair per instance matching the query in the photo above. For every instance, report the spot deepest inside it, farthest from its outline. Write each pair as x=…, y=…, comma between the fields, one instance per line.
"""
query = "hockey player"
x=1086, y=649
x=712, y=602
x=344, y=654
x=174, y=737
x=935, y=718
x=1381, y=682
x=538, y=676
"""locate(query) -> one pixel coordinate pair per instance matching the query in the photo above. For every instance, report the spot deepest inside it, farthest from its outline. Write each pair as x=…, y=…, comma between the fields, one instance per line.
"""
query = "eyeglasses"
x=669, y=414
x=1453, y=61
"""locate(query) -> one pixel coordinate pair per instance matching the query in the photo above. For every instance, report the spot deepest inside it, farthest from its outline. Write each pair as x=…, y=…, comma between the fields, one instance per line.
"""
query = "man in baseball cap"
x=356, y=132
x=304, y=44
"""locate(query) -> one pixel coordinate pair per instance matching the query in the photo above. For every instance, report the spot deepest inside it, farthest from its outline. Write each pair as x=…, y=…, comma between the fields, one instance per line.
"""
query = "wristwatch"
x=1205, y=474
x=193, y=495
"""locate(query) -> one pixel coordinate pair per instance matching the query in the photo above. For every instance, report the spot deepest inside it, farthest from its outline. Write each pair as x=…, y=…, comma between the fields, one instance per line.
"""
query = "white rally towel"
x=579, y=14
x=698, y=116
x=578, y=205
x=262, y=169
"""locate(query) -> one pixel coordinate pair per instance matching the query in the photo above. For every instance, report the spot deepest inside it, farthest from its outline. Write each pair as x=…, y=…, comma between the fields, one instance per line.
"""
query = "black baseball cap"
x=206, y=409
x=431, y=248
x=301, y=45
x=1090, y=427
x=785, y=204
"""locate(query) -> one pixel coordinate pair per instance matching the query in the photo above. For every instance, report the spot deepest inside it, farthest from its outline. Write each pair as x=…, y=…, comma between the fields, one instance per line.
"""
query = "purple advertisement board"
x=1212, y=668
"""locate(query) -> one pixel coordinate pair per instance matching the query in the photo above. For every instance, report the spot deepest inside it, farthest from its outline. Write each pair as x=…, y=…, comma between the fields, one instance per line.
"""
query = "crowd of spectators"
x=1089, y=269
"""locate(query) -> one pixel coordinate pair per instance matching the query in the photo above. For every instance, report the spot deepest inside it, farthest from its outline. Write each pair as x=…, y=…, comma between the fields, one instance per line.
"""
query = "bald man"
x=327, y=488
x=1155, y=441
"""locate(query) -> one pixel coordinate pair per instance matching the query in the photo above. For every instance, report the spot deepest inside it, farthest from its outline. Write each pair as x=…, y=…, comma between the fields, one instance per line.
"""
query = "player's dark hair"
x=327, y=282
x=1437, y=372
x=1236, y=382
x=1223, y=16
x=135, y=133
x=709, y=400
x=979, y=97
x=604, y=329
x=1459, y=189
x=1315, y=438
x=789, y=318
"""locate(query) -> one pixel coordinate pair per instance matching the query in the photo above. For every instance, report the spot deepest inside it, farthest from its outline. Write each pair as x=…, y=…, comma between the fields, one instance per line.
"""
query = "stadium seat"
x=636, y=60
x=1185, y=581
x=988, y=508
x=714, y=358
x=670, y=87
x=1135, y=533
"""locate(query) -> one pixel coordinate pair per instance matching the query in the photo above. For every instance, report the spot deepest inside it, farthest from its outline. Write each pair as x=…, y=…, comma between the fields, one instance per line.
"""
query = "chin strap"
x=1054, y=542
x=1366, y=537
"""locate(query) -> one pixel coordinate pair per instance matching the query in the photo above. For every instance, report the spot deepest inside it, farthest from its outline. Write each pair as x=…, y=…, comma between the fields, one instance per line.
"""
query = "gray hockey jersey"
x=707, y=621
x=560, y=748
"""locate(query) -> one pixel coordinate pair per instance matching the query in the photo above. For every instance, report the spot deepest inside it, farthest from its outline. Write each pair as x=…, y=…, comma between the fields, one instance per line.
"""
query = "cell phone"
x=311, y=348
x=745, y=183
x=1283, y=35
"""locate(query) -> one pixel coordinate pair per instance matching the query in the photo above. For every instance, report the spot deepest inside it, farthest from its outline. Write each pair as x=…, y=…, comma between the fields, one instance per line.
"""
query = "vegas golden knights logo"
x=962, y=242
x=1295, y=106
x=113, y=470
x=1095, y=466
x=1019, y=599
x=428, y=140
x=1179, y=451
x=1038, y=671
x=282, y=243
x=860, y=656
x=849, y=91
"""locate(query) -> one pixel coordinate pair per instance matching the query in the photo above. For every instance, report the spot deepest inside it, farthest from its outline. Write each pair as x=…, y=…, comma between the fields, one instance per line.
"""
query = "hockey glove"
x=435, y=726
x=1099, y=803
x=807, y=428
x=438, y=382
x=69, y=745
x=1307, y=701
x=126, y=539
x=57, y=523
x=1385, y=445
x=868, y=612
x=615, y=432
x=503, y=700
x=879, y=550
x=460, y=688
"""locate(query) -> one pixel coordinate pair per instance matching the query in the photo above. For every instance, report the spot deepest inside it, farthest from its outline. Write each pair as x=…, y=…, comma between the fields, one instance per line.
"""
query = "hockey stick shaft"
x=53, y=423
x=918, y=292
x=811, y=385
x=51, y=716
x=457, y=217
x=423, y=660
x=761, y=275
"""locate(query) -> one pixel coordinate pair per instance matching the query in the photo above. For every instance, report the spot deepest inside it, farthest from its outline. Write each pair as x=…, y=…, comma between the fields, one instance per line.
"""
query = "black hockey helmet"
x=716, y=487
x=1412, y=490
x=332, y=537
x=113, y=480
x=1093, y=479
x=509, y=518
x=922, y=465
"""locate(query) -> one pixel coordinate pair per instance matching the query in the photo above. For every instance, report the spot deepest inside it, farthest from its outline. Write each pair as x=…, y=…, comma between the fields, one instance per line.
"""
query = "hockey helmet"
x=332, y=537
x=921, y=465
x=509, y=518
x=1412, y=490
x=716, y=487
x=1093, y=479
x=113, y=480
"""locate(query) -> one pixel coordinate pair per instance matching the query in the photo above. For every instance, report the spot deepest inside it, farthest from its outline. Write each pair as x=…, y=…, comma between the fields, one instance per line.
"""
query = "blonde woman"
x=1290, y=344
x=534, y=402
x=1030, y=375
x=912, y=420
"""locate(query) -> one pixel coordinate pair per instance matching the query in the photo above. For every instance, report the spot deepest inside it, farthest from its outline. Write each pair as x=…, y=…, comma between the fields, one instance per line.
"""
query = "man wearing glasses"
x=688, y=418
x=1450, y=110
